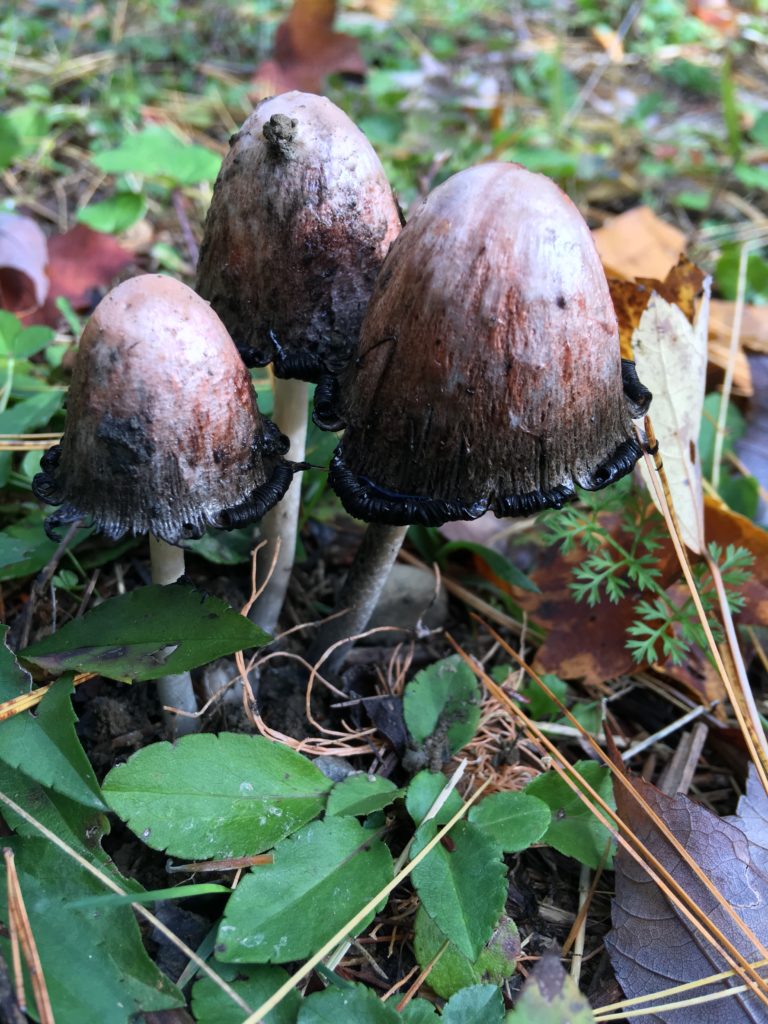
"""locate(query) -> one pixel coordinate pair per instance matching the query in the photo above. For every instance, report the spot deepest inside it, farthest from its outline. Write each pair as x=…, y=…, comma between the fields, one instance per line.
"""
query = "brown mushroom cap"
x=488, y=373
x=163, y=431
x=301, y=219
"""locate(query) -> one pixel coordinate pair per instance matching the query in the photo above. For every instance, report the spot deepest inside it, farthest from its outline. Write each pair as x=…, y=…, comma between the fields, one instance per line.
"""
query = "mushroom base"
x=365, y=500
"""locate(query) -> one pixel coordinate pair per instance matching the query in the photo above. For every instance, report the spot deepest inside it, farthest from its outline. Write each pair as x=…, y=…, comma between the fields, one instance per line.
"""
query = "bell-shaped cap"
x=163, y=433
x=489, y=374
x=301, y=219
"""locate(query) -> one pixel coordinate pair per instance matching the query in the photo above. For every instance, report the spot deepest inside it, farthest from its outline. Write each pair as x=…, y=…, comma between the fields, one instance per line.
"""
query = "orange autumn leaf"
x=638, y=244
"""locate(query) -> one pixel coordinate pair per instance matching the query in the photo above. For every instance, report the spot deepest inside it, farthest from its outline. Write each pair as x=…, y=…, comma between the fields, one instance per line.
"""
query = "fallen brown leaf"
x=639, y=244
x=651, y=945
x=307, y=50
x=724, y=526
x=23, y=264
x=754, y=324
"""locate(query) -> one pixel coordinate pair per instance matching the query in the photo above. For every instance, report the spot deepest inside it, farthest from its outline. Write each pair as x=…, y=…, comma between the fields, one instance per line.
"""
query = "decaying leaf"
x=550, y=996
x=82, y=263
x=307, y=50
x=638, y=244
x=724, y=527
x=671, y=358
x=23, y=262
x=652, y=946
x=754, y=324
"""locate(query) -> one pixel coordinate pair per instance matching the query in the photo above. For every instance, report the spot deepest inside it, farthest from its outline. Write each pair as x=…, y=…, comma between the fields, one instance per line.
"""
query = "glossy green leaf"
x=209, y=797
x=574, y=830
x=45, y=746
x=115, y=214
x=478, y=1004
x=253, y=983
x=462, y=884
x=419, y=1011
x=318, y=879
x=361, y=794
x=150, y=632
x=423, y=789
x=122, y=981
x=513, y=820
x=157, y=153
x=354, y=1004
x=550, y=996
x=442, y=703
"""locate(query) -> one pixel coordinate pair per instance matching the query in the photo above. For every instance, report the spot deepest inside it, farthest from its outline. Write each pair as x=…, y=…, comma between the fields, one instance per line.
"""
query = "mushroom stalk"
x=167, y=565
x=361, y=590
x=281, y=523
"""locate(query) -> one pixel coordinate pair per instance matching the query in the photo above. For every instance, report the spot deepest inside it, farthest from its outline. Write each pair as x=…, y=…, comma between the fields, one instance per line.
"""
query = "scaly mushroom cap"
x=488, y=374
x=301, y=219
x=163, y=431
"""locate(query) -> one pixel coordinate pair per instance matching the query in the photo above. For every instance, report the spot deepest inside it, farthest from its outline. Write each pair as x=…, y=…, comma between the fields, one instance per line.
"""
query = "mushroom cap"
x=301, y=219
x=163, y=432
x=488, y=373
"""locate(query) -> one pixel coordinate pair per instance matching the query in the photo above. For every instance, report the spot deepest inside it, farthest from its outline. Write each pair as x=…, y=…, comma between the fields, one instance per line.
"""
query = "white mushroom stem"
x=167, y=563
x=361, y=590
x=281, y=523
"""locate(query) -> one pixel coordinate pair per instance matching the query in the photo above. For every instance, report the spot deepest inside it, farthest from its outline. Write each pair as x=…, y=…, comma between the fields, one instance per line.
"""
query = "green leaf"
x=463, y=887
x=224, y=547
x=354, y=1004
x=10, y=143
x=574, y=830
x=255, y=984
x=453, y=970
x=442, y=704
x=513, y=820
x=29, y=548
x=122, y=981
x=478, y=1004
x=421, y=794
x=209, y=797
x=735, y=426
x=550, y=996
x=174, y=892
x=318, y=879
x=540, y=705
x=361, y=794
x=759, y=130
x=497, y=563
x=157, y=153
x=24, y=417
x=420, y=1011
x=115, y=214
x=44, y=746
x=150, y=632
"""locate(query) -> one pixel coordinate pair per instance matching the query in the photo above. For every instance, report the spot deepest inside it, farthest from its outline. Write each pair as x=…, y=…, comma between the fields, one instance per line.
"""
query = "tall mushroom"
x=163, y=434
x=301, y=219
x=488, y=375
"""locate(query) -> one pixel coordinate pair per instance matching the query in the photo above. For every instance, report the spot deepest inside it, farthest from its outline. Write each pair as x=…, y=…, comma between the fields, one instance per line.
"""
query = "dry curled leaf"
x=23, y=263
x=651, y=945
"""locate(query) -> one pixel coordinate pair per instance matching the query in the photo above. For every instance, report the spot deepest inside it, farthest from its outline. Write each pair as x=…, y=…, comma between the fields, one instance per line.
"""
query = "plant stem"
x=167, y=562
x=282, y=521
x=361, y=590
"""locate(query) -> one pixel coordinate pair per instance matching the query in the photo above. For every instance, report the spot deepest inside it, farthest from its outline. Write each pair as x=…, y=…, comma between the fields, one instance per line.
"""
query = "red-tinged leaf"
x=82, y=264
x=307, y=50
x=23, y=263
x=652, y=946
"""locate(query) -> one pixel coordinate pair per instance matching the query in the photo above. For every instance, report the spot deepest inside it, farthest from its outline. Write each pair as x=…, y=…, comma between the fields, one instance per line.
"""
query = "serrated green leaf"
x=361, y=794
x=157, y=153
x=501, y=566
x=574, y=830
x=354, y=1004
x=255, y=984
x=121, y=979
x=512, y=820
x=462, y=887
x=210, y=797
x=115, y=214
x=478, y=1004
x=45, y=746
x=318, y=879
x=150, y=632
x=443, y=702
x=550, y=996
x=421, y=794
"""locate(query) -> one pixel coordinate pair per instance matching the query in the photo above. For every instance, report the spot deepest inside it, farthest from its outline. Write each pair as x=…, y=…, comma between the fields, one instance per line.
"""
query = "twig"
x=42, y=579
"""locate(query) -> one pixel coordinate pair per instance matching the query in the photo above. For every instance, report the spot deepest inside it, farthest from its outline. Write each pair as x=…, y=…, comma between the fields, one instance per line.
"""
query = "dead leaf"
x=754, y=324
x=23, y=263
x=629, y=301
x=307, y=50
x=651, y=945
x=718, y=14
x=82, y=263
x=752, y=816
x=639, y=244
x=724, y=527
x=611, y=42
x=719, y=354
x=671, y=358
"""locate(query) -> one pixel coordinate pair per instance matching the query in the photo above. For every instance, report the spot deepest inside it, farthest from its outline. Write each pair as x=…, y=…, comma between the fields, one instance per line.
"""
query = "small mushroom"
x=488, y=374
x=301, y=219
x=163, y=433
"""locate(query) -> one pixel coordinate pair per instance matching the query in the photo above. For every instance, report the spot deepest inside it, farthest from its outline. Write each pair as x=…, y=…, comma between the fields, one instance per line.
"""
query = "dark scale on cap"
x=488, y=375
x=163, y=432
x=301, y=219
